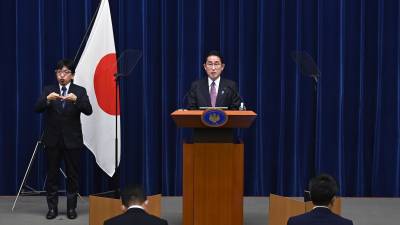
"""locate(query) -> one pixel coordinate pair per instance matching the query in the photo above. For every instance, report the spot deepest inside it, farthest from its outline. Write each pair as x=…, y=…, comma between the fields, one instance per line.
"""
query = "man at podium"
x=213, y=91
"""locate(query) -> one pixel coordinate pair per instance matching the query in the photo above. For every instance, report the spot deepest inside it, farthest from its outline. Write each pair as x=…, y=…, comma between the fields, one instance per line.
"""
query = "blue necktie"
x=63, y=93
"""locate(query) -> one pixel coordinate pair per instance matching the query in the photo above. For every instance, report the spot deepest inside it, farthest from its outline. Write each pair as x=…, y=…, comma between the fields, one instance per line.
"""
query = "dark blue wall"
x=355, y=43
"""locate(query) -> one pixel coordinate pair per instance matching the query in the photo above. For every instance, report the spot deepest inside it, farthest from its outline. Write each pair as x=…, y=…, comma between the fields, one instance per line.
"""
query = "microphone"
x=182, y=103
x=242, y=107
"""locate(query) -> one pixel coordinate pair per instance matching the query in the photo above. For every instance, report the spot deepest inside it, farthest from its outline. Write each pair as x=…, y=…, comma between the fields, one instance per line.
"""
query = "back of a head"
x=322, y=189
x=133, y=194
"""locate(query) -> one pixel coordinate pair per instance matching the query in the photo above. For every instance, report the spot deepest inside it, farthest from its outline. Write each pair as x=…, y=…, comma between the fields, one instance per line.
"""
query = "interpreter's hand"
x=53, y=96
x=70, y=97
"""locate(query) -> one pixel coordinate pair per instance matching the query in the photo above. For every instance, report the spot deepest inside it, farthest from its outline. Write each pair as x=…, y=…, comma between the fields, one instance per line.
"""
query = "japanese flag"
x=95, y=71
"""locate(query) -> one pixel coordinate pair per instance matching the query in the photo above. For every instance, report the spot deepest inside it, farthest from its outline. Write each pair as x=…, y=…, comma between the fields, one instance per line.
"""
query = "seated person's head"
x=323, y=189
x=133, y=195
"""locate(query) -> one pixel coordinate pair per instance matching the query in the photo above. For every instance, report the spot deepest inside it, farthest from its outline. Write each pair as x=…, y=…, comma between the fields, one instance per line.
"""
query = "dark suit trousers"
x=71, y=159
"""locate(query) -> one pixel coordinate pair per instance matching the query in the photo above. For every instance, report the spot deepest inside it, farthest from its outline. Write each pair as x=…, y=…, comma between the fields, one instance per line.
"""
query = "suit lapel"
x=70, y=90
x=221, y=93
x=58, y=105
x=67, y=104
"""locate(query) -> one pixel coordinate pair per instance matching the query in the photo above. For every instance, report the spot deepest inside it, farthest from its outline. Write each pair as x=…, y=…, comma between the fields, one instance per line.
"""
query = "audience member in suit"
x=213, y=91
x=133, y=202
x=323, y=190
x=62, y=105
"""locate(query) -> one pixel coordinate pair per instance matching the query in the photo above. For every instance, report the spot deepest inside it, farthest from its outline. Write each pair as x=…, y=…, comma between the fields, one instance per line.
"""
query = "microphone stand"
x=309, y=68
x=115, y=181
x=182, y=104
x=126, y=62
x=315, y=103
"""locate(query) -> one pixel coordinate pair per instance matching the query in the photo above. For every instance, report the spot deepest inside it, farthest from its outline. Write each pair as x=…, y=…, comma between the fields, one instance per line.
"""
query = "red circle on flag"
x=104, y=83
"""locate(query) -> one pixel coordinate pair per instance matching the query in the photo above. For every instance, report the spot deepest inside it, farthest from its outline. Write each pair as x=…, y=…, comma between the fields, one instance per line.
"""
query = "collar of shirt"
x=216, y=83
x=67, y=86
x=135, y=207
x=320, y=206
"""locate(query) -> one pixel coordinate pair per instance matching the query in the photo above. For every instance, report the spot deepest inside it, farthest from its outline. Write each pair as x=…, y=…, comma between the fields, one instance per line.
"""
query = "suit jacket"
x=199, y=94
x=135, y=216
x=63, y=122
x=319, y=216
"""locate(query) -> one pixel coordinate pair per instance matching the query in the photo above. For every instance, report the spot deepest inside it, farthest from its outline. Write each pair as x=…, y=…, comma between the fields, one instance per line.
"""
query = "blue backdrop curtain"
x=356, y=45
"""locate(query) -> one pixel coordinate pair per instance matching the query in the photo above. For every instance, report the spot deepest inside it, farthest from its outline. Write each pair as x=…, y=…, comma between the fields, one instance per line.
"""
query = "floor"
x=32, y=209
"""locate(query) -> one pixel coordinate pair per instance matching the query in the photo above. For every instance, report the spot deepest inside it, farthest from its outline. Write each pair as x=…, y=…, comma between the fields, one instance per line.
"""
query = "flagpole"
x=87, y=32
x=116, y=180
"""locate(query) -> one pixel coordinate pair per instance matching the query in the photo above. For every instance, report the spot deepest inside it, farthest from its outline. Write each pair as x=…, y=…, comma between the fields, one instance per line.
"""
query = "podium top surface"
x=192, y=118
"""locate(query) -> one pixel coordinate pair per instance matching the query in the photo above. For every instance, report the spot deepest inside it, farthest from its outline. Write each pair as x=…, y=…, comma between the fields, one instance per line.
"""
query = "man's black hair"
x=133, y=194
x=322, y=189
x=214, y=53
x=67, y=63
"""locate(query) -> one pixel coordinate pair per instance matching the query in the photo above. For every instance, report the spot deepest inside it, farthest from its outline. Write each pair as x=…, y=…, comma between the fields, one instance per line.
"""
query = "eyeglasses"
x=216, y=65
x=66, y=72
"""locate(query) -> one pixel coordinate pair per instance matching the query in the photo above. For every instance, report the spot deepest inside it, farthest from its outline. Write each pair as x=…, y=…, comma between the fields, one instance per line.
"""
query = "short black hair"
x=214, y=53
x=67, y=63
x=322, y=189
x=133, y=194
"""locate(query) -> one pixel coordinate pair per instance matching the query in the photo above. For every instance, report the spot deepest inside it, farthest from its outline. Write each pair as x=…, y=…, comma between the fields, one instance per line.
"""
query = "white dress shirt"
x=135, y=207
x=216, y=84
x=67, y=86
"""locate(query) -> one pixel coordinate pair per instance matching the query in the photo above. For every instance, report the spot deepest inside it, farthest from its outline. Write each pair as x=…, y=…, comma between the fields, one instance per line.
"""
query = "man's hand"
x=53, y=96
x=70, y=97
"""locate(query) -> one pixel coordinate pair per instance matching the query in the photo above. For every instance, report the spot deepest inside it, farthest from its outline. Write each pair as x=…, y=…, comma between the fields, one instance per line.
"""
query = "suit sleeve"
x=42, y=104
x=83, y=103
x=192, y=97
x=235, y=97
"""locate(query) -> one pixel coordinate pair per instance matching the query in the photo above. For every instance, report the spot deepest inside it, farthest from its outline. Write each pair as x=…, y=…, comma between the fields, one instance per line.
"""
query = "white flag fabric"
x=95, y=71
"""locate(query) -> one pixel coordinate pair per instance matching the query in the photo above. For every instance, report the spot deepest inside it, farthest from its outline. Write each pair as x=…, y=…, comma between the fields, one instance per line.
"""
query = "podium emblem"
x=214, y=118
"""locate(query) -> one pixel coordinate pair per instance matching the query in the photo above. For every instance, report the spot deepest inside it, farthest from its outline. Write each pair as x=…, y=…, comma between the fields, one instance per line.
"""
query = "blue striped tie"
x=63, y=93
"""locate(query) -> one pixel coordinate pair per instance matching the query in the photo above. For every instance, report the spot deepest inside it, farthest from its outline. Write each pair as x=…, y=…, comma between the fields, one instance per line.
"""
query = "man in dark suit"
x=62, y=105
x=213, y=91
x=133, y=203
x=323, y=189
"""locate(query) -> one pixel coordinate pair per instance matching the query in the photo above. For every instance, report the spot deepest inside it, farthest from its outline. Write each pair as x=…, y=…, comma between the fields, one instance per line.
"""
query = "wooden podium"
x=213, y=169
